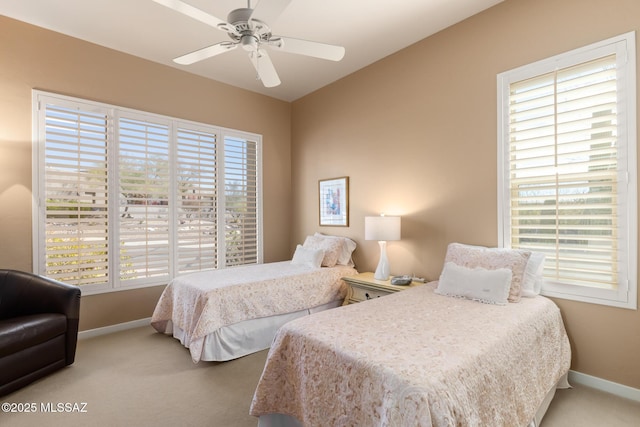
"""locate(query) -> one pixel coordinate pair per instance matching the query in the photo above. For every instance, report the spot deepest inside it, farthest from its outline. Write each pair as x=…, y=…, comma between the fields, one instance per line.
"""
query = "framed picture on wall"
x=334, y=201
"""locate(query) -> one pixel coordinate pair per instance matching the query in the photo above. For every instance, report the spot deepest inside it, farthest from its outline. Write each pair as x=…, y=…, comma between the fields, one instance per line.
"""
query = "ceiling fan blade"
x=269, y=10
x=308, y=48
x=205, y=53
x=192, y=12
x=264, y=67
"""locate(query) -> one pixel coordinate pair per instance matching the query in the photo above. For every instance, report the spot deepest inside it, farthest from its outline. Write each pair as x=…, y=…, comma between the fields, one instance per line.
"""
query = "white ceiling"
x=369, y=30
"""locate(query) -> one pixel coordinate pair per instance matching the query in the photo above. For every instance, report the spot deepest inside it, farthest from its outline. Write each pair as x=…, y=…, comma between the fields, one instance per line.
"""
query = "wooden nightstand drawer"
x=359, y=294
x=364, y=286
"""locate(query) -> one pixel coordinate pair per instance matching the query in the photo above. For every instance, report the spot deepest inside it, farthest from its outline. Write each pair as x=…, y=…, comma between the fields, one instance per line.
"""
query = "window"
x=127, y=199
x=567, y=170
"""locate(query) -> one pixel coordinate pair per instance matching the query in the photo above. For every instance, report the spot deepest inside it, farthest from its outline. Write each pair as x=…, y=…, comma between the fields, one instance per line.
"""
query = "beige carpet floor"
x=141, y=378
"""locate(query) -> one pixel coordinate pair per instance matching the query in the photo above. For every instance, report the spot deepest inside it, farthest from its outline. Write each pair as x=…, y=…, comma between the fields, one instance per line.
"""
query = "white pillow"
x=492, y=258
x=309, y=257
x=348, y=246
x=532, y=278
x=479, y=284
x=331, y=247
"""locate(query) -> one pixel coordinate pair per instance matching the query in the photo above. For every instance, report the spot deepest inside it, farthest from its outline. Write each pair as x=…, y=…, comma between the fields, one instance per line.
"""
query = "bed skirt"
x=562, y=383
x=246, y=337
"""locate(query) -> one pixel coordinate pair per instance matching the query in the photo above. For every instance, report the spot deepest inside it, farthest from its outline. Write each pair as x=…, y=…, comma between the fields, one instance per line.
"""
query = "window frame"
x=113, y=114
x=625, y=296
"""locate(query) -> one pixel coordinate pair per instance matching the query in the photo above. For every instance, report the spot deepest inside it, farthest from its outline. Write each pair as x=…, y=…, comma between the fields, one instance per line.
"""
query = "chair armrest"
x=23, y=293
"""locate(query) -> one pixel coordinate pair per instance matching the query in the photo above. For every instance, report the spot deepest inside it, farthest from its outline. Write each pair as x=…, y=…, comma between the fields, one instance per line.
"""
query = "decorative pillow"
x=491, y=259
x=478, y=284
x=532, y=278
x=348, y=246
x=309, y=257
x=331, y=247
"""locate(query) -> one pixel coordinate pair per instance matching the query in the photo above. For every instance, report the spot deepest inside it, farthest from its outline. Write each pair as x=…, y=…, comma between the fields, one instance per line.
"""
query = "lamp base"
x=382, y=271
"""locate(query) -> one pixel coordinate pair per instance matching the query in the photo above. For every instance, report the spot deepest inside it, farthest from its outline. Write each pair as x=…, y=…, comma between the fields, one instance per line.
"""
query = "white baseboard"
x=605, y=385
x=90, y=333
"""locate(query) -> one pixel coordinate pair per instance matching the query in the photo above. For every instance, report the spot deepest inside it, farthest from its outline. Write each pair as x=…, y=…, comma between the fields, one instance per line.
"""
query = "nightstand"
x=363, y=287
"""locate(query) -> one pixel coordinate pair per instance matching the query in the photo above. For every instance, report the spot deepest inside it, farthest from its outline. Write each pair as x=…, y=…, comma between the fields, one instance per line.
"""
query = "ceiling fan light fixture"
x=249, y=42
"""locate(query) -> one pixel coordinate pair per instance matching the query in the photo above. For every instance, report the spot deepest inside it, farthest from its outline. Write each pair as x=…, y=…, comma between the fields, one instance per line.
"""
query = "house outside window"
x=127, y=199
x=567, y=179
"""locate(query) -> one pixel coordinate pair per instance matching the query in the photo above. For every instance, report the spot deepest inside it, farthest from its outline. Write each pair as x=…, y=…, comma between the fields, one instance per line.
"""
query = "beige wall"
x=31, y=57
x=417, y=135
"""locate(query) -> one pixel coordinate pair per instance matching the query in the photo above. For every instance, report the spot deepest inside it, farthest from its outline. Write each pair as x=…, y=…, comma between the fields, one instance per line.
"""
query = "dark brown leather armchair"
x=38, y=327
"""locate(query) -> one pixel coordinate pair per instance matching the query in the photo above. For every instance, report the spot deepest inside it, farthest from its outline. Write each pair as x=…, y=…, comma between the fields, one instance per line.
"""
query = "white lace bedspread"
x=416, y=358
x=201, y=303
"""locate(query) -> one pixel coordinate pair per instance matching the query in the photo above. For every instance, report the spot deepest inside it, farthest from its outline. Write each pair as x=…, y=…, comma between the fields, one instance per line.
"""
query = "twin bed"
x=224, y=314
x=467, y=350
x=478, y=347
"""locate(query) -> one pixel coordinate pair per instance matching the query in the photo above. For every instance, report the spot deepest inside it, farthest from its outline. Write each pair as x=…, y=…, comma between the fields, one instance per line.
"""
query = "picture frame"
x=334, y=201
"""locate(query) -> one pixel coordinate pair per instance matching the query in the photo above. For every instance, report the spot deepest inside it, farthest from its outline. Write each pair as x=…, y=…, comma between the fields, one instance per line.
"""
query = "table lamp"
x=382, y=228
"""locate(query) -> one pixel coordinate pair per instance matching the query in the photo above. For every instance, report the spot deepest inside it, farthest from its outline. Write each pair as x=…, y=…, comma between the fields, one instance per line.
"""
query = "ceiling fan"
x=248, y=28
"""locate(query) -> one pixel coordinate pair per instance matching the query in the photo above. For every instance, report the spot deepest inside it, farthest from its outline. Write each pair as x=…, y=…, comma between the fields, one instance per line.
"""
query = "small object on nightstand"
x=401, y=280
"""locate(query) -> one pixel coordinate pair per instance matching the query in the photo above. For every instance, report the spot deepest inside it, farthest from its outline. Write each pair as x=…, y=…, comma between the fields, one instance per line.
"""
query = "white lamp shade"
x=382, y=228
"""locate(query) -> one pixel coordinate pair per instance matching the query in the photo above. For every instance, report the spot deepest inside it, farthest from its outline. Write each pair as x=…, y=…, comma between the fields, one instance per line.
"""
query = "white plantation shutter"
x=128, y=199
x=241, y=201
x=196, y=200
x=566, y=173
x=76, y=244
x=143, y=160
x=563, y=166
